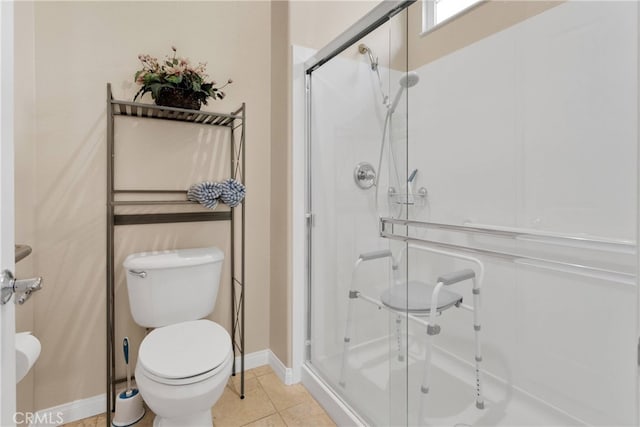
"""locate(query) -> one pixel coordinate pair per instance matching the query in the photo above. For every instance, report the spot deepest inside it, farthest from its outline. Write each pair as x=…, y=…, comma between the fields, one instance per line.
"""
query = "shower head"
x=409, y=80
x=406, y=81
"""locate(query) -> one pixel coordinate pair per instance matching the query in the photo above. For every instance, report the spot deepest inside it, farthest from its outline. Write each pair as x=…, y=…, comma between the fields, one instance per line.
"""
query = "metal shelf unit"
x=235, y=121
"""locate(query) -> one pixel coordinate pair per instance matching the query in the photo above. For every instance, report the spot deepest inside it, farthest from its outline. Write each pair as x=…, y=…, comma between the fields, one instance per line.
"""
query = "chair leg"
x=347, y=338
x=478, y=357
x=426, y=376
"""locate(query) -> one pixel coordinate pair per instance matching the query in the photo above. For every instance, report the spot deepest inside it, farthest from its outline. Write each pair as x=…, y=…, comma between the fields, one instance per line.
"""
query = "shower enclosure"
x=472, y=215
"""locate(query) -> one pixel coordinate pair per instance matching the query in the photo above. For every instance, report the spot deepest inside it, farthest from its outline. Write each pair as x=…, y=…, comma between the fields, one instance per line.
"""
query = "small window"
x=435, y=12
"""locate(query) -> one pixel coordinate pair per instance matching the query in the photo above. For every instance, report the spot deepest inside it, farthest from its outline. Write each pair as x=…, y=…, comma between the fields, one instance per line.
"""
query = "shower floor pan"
x=376, y=387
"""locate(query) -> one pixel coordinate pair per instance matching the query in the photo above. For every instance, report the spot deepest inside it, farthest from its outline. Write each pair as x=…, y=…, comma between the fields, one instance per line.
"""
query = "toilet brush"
x=129, y=404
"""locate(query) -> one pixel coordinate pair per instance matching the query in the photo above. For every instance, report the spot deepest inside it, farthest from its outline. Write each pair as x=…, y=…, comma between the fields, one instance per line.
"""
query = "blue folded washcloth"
x=206, y=193
x=233, y=192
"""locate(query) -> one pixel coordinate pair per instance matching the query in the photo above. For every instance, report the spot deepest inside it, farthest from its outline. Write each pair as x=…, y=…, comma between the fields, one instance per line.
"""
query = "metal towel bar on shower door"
x=623, y=277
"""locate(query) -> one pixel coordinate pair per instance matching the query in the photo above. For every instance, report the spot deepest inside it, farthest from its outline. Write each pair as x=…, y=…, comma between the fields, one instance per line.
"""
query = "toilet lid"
x=184, y=350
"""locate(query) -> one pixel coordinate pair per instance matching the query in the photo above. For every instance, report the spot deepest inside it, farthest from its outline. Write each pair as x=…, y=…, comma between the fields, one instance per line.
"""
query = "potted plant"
x=175, y=82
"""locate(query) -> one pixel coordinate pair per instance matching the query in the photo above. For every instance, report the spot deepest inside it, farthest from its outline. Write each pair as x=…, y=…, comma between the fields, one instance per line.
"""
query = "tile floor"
x=267, y=403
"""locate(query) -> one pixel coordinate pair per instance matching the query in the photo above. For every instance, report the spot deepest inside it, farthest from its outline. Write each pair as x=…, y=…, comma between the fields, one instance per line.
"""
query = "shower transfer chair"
x=420, y=302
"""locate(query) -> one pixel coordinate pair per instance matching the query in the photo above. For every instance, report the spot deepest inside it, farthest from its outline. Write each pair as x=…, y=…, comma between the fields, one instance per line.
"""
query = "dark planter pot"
x=179, y=98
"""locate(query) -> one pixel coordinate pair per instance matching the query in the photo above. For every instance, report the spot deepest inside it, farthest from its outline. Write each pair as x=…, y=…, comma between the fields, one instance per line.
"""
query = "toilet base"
x=202, y=418
x=187, y=405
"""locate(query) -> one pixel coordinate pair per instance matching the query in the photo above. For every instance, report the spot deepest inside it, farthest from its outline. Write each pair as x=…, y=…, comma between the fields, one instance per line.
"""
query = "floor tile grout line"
x=268, y=395
x=279, y=412
x=259, y=385
x=271, y=400
x=266, y=416
x=308, y=398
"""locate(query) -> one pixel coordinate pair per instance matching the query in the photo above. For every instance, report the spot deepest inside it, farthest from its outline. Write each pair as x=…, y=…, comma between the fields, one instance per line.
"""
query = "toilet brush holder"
x=129, y=408
x=129, y=404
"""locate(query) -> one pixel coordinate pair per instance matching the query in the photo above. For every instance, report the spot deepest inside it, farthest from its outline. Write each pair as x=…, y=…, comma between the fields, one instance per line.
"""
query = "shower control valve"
x=364, y=175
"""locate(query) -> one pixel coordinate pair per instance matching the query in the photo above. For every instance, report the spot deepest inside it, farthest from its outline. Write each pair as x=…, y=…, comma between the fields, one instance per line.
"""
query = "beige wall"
x=477, y=23
x=79, y=47
x=314, y=23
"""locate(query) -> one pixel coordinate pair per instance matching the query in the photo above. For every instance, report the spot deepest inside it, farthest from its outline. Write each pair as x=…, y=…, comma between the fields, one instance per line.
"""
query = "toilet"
x=185, y=362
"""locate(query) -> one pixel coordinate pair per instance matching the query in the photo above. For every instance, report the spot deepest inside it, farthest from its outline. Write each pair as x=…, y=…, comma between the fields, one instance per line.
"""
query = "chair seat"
x=415, y=297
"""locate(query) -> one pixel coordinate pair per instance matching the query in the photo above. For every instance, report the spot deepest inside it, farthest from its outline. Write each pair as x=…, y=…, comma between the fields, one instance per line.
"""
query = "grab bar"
x=573, y=240
x=547, y=264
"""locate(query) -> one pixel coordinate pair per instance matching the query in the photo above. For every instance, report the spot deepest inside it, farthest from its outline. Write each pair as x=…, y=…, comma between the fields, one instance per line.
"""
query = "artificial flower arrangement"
x=176, y=82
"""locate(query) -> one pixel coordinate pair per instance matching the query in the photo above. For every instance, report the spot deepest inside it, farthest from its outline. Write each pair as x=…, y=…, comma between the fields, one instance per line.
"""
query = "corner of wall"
x=279, y=329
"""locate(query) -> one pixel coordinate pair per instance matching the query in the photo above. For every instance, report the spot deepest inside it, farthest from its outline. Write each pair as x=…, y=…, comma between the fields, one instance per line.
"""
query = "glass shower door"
x=357, y=155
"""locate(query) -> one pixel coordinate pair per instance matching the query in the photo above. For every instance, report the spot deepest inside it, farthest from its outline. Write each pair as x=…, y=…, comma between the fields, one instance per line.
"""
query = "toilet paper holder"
x=24, y=287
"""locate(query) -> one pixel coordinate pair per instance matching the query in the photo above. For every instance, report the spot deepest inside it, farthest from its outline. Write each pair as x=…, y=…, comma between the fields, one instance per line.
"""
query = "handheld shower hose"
x=406, y=81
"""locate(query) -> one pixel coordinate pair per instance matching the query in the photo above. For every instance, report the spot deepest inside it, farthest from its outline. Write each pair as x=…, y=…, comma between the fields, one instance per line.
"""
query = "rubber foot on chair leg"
x=401, y=358
x=480, y=405
x=242, y=396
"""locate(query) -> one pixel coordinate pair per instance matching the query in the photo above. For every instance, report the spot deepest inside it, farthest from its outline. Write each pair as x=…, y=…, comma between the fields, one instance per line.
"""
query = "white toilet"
x=185, y=362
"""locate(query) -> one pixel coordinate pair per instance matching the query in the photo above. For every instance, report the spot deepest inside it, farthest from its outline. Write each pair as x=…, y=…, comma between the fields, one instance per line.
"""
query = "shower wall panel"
x=535, y=127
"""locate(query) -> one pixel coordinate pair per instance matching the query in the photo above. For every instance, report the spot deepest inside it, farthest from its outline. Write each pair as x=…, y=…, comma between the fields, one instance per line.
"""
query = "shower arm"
x=373, y=61
x=363, y=48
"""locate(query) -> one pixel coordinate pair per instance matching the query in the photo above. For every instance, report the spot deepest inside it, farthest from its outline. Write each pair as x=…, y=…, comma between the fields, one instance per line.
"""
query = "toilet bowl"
x=185, y=362
x=182, y=371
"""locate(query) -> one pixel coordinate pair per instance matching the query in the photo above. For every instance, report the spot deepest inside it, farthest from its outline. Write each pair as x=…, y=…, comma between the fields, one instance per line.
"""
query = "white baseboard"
x=285, y=374
x=96, y=405
x=254, y=360
x=267, y=357
x=69, y=412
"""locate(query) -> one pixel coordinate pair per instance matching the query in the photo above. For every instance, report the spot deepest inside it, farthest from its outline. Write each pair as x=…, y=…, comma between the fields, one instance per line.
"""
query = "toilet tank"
x=173, y=286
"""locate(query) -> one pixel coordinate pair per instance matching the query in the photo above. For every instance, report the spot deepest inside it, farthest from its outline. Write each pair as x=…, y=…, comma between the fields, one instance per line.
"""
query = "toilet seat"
x=185, y=353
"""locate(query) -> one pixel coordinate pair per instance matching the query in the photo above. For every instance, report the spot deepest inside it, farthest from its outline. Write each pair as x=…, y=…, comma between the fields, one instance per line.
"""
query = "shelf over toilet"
x=235, y=122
